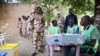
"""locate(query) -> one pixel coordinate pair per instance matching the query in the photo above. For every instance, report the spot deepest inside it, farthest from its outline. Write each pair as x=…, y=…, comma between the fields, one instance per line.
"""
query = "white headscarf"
x=56, y=12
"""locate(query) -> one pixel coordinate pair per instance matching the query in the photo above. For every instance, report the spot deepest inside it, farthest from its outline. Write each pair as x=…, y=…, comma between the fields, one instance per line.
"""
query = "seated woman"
x=72, y=29
x=54, y=29
x=91, y=36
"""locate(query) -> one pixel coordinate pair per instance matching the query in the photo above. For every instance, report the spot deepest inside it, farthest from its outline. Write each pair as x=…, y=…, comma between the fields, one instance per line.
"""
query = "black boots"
x=33, y=54
x=41, y=49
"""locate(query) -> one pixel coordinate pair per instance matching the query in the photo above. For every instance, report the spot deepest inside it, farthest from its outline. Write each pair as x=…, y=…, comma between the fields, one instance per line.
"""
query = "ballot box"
x=10, y=48
x=65, y=39
x=54, y=39
x=73, y=39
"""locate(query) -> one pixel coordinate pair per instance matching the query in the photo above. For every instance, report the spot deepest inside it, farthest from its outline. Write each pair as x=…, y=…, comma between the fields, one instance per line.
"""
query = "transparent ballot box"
x=65, y=39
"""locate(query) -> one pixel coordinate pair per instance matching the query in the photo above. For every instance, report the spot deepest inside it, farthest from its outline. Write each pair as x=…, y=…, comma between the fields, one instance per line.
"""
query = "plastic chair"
x=2, y=39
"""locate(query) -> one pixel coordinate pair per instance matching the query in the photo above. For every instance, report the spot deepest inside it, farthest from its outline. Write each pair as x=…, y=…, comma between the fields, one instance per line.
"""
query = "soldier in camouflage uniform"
x=38, y=23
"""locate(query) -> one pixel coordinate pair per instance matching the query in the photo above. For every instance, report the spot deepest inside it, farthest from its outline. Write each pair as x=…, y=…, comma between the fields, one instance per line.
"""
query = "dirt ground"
x=8, y=25
x=25, y=46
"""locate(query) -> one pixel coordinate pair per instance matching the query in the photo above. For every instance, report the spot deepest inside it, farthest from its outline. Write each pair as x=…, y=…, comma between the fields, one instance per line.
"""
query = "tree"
x=80, y=6
x=97, y=7
x=26, y=0
x=1, y=1
x=47, y=5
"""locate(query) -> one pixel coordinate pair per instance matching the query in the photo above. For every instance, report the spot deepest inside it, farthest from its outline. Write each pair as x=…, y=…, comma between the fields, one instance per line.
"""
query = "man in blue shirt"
x=70, y=16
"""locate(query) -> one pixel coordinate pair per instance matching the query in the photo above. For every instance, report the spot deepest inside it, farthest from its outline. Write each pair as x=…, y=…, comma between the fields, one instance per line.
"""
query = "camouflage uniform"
x=38, y=31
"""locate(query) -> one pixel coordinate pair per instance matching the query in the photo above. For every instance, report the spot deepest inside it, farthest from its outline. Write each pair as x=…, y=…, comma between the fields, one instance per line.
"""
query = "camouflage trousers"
x=37, y=39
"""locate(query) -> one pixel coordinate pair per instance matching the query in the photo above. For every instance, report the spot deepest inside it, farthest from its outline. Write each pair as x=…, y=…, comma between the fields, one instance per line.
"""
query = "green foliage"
x=25, y=0
x=48, y=7
x=80, y=6
x=1, y=1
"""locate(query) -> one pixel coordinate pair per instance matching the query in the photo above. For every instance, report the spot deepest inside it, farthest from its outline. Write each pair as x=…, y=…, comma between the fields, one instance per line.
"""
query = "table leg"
x=78, y=50
x=49, y=50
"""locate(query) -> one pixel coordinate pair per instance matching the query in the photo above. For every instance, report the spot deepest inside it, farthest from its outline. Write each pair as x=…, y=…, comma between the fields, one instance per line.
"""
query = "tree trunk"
x=97, y=12
x=97, y=7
